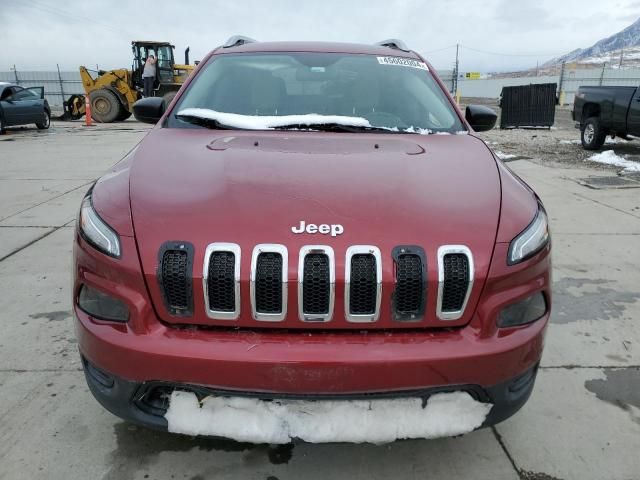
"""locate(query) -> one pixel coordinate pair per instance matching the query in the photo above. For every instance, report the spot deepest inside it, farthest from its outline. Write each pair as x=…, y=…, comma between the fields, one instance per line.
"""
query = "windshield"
x=390, y=93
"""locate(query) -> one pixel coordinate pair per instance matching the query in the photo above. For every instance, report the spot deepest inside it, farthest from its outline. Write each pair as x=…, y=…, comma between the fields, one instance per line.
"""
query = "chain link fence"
x=568, y=85
x=59, y=85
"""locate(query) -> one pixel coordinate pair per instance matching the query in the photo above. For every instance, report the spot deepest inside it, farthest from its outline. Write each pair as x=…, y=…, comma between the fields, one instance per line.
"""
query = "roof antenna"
x=237, y=40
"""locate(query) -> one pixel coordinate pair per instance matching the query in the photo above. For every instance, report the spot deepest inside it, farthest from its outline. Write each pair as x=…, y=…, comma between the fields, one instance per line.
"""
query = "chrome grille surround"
x=366, y=250
x=442, y=252
x=222, y=247
x=328, y=251
x=283, y=252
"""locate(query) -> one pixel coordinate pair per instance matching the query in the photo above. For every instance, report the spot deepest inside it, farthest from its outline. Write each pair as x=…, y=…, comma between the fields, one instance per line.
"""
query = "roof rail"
x=237, y=40
x=395, y=44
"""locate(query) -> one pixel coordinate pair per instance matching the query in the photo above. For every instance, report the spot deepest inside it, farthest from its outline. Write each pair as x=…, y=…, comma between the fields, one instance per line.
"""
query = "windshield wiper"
x=334, y=127
x=205, y=122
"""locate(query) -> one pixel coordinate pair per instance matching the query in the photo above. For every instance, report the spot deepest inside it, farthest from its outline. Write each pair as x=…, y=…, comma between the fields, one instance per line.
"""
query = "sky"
x=495, y=35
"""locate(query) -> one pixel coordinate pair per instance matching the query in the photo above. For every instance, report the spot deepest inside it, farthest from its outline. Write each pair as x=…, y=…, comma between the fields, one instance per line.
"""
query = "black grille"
x=363, y=289
x=174, y=276
x=268, y=283
x=408, y=298
x=316, y=284
x=221, y=282
x=456, y=281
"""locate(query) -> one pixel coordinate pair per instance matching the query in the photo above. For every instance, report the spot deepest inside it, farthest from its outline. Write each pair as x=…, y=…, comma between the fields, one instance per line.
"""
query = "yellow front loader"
x=112, y=93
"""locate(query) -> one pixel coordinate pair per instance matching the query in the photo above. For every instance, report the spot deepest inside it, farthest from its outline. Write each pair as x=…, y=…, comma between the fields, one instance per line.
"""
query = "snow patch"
x=504, y=156
x=256, y=122
x=421, y=131
x=615, y=140
x=609, y=157
x=269, y=122
x=357, y=421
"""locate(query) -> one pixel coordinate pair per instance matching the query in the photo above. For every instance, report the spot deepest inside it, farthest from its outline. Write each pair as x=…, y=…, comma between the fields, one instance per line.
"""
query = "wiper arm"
x=204, y=122
x=333, y=127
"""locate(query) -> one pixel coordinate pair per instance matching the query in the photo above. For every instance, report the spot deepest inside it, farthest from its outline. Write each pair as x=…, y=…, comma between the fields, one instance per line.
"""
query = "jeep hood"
x=246, y=187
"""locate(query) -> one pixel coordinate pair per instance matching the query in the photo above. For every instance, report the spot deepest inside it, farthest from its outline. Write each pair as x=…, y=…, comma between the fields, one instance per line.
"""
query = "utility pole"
x=15, y=73
x=621, y=54
x=537, y=67
x=61, y=85
x=456, y=73
x=561, y=81
x=604, y=65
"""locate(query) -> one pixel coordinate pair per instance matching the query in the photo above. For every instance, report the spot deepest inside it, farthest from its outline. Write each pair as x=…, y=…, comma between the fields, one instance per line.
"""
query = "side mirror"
x=480, y=118
x=149, y=110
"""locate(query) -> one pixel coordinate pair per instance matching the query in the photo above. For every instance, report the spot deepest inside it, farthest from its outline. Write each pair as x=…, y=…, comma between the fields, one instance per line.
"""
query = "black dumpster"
x=528, y=105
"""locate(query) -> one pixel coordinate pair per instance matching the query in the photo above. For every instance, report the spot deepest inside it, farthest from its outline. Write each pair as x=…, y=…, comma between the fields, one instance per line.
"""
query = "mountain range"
x=607, y=50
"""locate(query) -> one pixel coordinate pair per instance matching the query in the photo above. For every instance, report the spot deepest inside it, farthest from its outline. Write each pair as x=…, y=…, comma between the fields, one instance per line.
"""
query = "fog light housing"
x=525, y=311
x=102, y=305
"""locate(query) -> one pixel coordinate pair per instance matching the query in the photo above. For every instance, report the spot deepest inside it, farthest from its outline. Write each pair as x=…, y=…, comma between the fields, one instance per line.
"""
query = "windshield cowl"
x=313, y=121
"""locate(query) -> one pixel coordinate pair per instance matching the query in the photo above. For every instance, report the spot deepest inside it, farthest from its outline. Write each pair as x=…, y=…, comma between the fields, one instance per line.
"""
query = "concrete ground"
x=582, y=422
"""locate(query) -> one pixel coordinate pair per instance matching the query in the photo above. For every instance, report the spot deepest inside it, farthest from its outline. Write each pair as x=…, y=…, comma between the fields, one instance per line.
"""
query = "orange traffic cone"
x=87, y=112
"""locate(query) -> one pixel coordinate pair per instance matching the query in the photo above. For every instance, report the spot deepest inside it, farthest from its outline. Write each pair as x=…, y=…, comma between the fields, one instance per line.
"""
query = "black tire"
x=592, y=135
x=2, y=130
x=123, y=115
x=44, y=125
x=105, y=106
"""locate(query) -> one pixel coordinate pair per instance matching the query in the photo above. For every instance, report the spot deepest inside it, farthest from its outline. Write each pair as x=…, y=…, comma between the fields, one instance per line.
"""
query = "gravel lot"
x=582, y=422
x=559, y=146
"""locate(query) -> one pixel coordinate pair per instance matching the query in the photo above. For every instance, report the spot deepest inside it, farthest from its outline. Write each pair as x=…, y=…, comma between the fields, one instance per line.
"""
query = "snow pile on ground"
x=608, y=140
x=357, y=421
x=257, y=122
x=504, y=156
x=609, y=157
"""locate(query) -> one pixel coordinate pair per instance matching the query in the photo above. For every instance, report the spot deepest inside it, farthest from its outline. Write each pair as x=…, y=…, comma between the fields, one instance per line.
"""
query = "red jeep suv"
x=312, y=243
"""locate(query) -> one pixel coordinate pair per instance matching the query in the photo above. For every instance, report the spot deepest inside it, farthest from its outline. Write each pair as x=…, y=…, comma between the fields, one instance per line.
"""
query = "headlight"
x=95, y=231
x=533, y=239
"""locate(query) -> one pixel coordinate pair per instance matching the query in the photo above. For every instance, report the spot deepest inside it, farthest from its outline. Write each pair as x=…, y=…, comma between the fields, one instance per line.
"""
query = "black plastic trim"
x=176, y=245
x=125, y=398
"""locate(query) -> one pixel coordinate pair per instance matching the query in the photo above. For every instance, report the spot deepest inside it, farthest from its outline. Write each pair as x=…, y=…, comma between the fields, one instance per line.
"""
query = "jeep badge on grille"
x=325, y=229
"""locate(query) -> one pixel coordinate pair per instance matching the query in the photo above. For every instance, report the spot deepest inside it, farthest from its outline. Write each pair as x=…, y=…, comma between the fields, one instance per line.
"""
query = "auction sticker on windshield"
x=403, y=62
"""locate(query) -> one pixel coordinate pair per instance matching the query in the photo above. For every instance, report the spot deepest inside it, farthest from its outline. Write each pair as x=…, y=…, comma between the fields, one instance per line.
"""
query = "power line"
x=64, y=14
x=440, y=49
x=513, y=54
